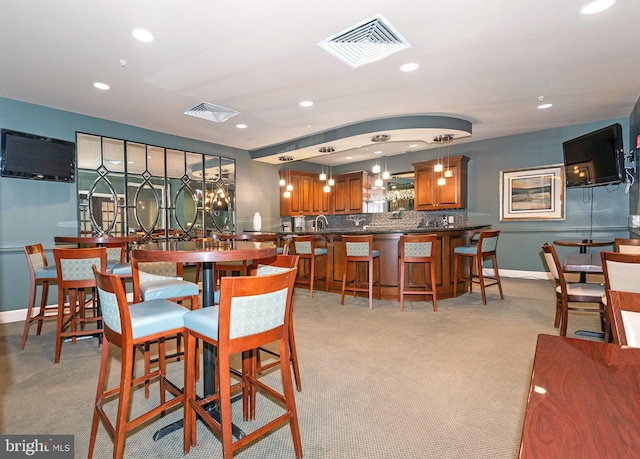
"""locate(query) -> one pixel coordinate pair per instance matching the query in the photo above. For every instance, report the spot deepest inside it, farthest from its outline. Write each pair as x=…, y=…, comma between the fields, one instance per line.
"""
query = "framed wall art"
x=532, y=194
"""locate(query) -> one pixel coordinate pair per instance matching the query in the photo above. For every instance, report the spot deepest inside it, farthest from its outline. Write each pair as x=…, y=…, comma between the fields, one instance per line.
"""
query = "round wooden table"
x=583, y=244
x=97, y=240
x=207, y=252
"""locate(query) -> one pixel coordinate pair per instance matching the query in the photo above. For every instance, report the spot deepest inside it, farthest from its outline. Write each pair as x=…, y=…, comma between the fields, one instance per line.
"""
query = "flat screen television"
x=595, y=159
x=36, y=157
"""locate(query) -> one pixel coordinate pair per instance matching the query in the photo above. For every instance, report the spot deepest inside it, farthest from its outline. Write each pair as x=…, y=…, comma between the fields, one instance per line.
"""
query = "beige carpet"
x=376, y=383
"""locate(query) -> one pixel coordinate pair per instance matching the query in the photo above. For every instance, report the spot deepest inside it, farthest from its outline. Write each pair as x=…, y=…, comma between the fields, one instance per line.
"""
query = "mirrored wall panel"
x=128, y=187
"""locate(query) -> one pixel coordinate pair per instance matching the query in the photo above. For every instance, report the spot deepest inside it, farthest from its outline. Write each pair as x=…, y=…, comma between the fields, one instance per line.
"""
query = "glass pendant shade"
x=287, y=194
x=282, y=182
x=376, y=169
x=378, y=182
x=326, y=188
x=437, y=168
x=331, y=182
x=448, y=173
x=323, y=177
x=289, y=187
x=386, y=175
x=442, y=181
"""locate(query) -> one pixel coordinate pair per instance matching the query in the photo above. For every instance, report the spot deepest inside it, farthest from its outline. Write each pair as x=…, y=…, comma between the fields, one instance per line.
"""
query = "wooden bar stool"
x=305, y=248
x=74, y=277
x=359, y=249
x=40, y=274
x=418, y=249
x=253, y=312
x=486, y=248
x=127, y=327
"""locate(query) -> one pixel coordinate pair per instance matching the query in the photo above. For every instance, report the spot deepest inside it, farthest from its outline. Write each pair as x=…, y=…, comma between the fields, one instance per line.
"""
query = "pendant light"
x=289, y=188
x=377, y=139
x=331, y=181
x=385, y=175
x=441, y=139
x=448, y=173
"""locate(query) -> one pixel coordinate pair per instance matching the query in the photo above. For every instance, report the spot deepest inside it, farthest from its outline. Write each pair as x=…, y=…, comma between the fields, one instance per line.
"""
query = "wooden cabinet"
x=351, y=192
x=431, y=196
x=307, y=197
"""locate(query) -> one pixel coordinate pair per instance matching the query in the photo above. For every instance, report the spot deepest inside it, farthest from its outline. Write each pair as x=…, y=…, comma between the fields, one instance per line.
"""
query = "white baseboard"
x=18, y=315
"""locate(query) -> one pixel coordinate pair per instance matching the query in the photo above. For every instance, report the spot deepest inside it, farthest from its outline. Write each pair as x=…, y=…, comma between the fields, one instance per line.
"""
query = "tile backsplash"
x=400, y=220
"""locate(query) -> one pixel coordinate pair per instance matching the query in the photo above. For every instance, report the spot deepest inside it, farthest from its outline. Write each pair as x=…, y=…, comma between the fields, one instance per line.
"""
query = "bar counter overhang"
x=387, y=241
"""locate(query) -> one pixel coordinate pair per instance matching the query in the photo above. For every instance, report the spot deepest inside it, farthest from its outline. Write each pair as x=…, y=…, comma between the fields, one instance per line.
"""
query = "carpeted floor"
x=377, y=384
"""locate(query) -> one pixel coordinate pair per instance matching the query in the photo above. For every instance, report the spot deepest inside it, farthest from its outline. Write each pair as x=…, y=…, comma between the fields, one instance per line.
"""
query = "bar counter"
x=387, y=241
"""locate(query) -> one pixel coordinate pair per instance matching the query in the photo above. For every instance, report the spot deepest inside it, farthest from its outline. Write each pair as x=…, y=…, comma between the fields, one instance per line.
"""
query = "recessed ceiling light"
x=413, y=145
x=102, y=86
x=597, y=6
x=241, y=126
x=348, y=157
x=543, y=106
x=377, y=152
x=142, y=35
x=410, y=67
x=306, y=103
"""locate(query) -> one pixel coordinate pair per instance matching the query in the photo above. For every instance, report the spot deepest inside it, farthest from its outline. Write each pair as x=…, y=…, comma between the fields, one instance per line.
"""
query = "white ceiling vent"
x=211, y=112
x=369, y=41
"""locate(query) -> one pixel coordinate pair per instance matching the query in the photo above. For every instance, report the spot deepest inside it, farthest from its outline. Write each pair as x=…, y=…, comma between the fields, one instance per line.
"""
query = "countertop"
x=379, y=230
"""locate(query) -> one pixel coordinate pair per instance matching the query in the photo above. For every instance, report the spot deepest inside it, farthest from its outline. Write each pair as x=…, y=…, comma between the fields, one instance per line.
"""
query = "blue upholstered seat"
x=466, y=249
x=47, y=272
x=119, y=268
x=170, y=288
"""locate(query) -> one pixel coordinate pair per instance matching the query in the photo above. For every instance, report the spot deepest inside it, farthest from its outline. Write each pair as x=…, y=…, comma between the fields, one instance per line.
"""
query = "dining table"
x=584, y=400
x=98, y=241
x=207, y=252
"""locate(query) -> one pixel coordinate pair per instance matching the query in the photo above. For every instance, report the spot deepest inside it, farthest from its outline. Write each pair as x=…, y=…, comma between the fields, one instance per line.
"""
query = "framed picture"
x=532, y=194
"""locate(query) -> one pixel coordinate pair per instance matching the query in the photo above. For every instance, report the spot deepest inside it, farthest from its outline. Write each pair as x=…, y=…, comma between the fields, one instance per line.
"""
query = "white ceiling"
x=486, y=62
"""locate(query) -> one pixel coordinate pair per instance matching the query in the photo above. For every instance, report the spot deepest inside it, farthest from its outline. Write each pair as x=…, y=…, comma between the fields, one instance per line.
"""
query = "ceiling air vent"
x=211, y=112
x=366, y=42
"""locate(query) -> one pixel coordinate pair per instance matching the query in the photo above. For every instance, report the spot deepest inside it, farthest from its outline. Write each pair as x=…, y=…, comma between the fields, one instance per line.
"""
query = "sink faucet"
x=324, y=225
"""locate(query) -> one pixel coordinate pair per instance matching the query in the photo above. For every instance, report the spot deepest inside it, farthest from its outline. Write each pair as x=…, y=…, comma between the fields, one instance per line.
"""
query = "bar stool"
x=253, y=312
x=418, y=249
x=73, y=267
x=40, y=274
x=305, y=248
x=360, y=249
x=127, y=327
x=278, y=264
x=486, y=248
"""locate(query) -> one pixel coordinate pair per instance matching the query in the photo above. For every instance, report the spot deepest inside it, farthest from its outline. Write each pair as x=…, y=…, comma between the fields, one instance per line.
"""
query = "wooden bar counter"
x=387, y=242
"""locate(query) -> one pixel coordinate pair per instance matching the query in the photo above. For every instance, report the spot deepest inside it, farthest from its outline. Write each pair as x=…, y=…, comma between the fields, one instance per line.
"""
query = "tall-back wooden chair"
x=40, y=273
x=414, y=249
x=305, y=248
x=571, y=292
x=359, y=249
x=75, y=275
x=626, y=245
x=625, y=317
x=127, y=327
x=253, y=312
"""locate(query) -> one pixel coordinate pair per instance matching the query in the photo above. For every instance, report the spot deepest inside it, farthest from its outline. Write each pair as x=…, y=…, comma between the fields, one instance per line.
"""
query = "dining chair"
x=305, y=248
x=127, y=326
x=162, y=280
x=40, y=273
x=485, y=248
x=626, y=245
x=624, y=308
x=278, y=264
x=572, y=292
x=621, y=273
x=359, y=249
x=417, y=249
x=74, y=274
x=253, y=312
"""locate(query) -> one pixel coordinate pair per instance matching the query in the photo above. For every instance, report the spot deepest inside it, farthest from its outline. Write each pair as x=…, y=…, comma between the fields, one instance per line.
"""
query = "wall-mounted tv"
x=595, y=159
x=36, y=157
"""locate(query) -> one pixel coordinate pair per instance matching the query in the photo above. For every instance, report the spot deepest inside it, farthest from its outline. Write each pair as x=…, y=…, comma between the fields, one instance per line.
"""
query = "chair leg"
x=455, y=274
x=224, y=390
x=43, y=305
x=371, y=269
x=99, y=396
x=123, y=402
x=496, y=274
x=27, y=322
x=59, y=325
x=312, y=269
x=401, y=270
x=294, y=356
x=565, y=318
x=287, y=386
x=432, y=273
x=344, y=282
x=481, y=279
x=189, y=416
x=326, y=273
x=377, y=262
